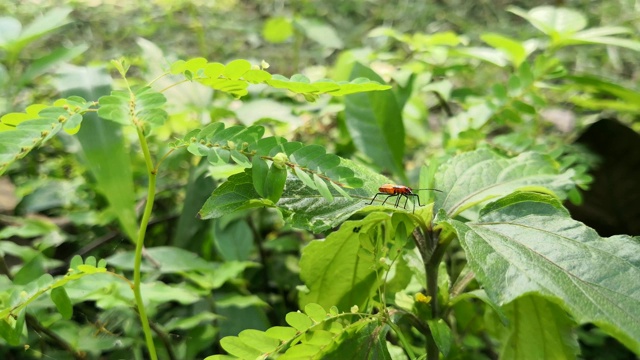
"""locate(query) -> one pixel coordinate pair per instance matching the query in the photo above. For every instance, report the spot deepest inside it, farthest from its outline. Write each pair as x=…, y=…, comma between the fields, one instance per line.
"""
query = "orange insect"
x=400, y=191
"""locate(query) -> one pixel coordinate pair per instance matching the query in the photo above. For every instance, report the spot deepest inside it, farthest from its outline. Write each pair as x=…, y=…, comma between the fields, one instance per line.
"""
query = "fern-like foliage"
x=270, y=158
x=314, y=334
x=235, y=77
x=139, y=106
x=22, y=132
x=12, y=317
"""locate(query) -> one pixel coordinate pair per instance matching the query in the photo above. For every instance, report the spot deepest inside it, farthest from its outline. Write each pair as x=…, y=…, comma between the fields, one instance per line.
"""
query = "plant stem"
x=432, y=252
x=151, y=192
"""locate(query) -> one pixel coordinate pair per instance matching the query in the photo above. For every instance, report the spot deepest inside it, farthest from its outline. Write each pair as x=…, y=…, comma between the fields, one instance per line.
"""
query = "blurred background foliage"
x=52, y=208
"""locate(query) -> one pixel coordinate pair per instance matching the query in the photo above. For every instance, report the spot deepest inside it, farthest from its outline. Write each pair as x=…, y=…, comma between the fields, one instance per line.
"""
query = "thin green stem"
x=151, y=191
x=405, y=343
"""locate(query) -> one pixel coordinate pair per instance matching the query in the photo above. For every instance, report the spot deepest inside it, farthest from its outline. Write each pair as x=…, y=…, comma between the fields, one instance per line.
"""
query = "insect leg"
x=385, y=200
x=375, y=198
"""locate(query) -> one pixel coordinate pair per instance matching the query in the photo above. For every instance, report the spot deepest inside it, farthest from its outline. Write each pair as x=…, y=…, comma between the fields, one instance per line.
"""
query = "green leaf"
x=303, y=208
x=316, y=312
x=333, y=271
x=103, y=147
x=50, y=60
x=259, y=340
x=298, y=321
x=374, y=121
x=281, y=332
x=63, y=303
x=367, y=341
x=322, y=188
x=234, y=241
x=554, y=21
x=442, y=335
x=527, y=243
x=548, y=331
x=166, y=260
x=274, y=183
x=42, y=25
x=305, y=178
x=277, y=30
x=475, y=177
x=236, y=68
x=235, y=194
x=259, y=170
x=301, y=351
x=235, y=346
x=514, y=49
x=320, y=32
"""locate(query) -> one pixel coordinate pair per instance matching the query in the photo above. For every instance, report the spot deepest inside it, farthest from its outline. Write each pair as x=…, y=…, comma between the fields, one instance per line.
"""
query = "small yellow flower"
x=420, y=297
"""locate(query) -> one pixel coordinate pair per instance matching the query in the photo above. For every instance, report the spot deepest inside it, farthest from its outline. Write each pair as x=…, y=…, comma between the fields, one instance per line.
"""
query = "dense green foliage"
x=211, y=208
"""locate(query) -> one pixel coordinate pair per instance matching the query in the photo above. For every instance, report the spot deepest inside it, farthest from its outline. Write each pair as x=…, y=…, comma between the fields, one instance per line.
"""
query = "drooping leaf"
x=527, y=243
x=63, y=303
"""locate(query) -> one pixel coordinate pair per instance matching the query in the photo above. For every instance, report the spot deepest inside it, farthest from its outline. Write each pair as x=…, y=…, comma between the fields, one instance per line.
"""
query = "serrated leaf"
x=527, y=243
x=235, y=194
x=476, y=177
x=367, y=339
x=63, y=303
x=304, y=208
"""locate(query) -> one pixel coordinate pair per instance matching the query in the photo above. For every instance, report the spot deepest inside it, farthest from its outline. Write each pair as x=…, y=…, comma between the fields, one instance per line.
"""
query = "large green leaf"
x=375, y=123
x=334, y=272
x=103, y=146
x=39, y=27
x=538, y=329
x=476, y=177
x=527, y=243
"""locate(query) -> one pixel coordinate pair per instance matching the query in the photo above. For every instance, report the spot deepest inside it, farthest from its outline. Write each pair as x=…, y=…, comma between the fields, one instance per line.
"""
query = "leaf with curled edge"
x=526, y=243
x=476, y=177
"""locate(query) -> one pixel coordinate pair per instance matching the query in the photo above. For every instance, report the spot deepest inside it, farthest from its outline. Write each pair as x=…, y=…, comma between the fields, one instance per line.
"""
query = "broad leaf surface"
x=334, y=272
x=538, y=329
x=375, y=123
x=475, y=177
x=528, y=243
